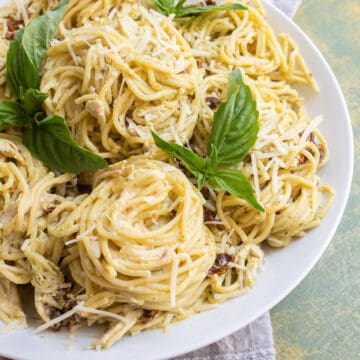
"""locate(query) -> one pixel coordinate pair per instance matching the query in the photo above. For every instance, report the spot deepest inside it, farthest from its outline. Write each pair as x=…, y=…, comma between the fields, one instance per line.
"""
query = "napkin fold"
x=254, y=341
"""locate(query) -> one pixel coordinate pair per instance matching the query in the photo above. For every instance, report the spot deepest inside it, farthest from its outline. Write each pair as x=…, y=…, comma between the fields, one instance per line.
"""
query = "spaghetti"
x=117, y=76
x=137, y=246
x=289, y=150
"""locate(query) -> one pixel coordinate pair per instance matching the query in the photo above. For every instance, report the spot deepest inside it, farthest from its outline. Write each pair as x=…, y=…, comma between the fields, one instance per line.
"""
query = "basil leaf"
x=168, y=7
x=165, y=7
x=40, y=32
x=235, y=126
x=197, y=10
x=12, y=113
x=201, y=178
x=234, y=132
x=50, y=141
x=193, y=162
x=32, y=100
x=236, y=183
x=211, y=160
x=28, y=49
x=21, y=73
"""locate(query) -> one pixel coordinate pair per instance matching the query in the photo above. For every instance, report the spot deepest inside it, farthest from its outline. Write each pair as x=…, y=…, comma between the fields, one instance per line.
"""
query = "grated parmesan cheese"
x=75, y=58
x=214, y=222
x=112, y=13
x=58, y=319
x=167, y=321
x=81, y=235
x=25, y=244
x=150, y=199
x=311, y=127
x=105, y=313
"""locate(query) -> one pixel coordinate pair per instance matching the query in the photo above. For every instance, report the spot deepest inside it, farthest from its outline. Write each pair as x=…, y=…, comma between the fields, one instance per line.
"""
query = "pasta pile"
x=136, y=245
x=139, y=240
x=289, y=150
x=117, y=76
x=32, y=198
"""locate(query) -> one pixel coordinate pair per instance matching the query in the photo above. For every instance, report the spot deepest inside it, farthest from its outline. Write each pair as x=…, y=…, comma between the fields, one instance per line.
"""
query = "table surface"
x=320, y=319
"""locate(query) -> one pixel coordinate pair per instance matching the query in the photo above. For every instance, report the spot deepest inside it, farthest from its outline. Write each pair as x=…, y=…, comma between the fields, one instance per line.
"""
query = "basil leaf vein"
x=235, y=125
x=236, y=183
x=193, y=162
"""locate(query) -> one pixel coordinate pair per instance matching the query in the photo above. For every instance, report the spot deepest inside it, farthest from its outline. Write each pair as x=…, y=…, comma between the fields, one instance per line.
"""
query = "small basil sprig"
x=233, y=133
x=177, y=8
x=47, y=138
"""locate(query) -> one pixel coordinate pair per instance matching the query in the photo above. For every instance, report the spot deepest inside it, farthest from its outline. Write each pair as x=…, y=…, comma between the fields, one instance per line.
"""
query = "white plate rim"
x=196, y=343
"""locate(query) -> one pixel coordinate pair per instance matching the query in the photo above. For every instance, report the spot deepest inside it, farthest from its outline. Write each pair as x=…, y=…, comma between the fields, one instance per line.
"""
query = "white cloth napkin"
x=254, y=341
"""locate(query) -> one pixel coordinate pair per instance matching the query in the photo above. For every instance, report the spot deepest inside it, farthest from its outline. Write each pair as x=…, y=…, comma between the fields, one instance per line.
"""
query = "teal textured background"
x=320, y=320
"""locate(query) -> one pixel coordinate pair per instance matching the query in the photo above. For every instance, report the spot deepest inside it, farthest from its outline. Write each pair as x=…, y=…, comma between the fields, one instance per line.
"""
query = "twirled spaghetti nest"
x=116, y=78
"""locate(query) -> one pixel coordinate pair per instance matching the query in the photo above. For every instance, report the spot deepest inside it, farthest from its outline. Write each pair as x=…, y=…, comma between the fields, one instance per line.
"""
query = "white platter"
x=283, y=269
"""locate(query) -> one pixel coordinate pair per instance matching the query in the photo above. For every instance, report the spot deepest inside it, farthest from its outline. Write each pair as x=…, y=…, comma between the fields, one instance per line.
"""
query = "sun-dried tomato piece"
x=312, y=138
x=213, y=102
x=220, y=264
x=209, y=215
x=13, y=26
x=147, y=316
x=302, y=159
x=205, y=192
x=321, y=153
x=70, y=302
